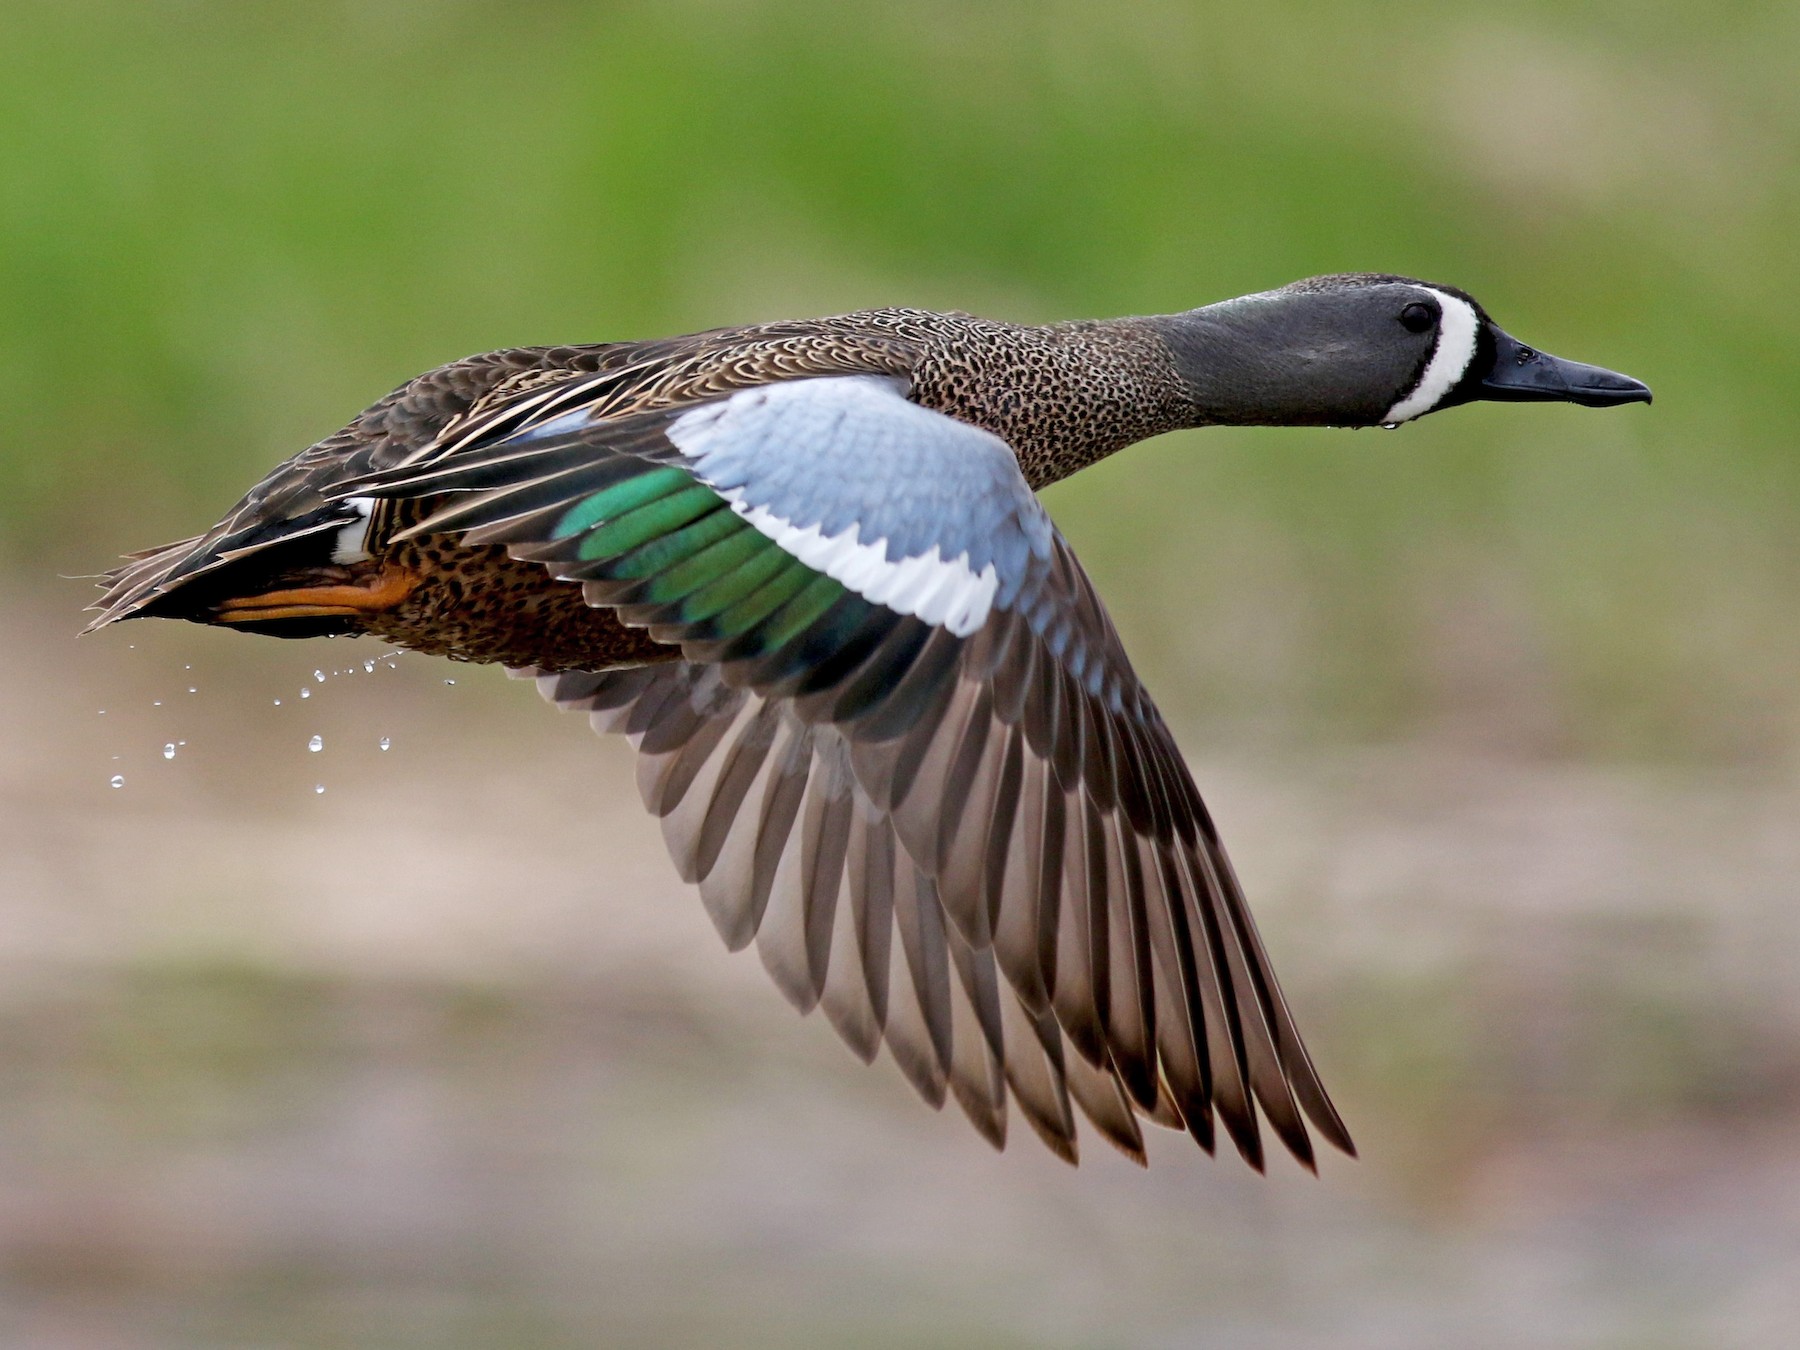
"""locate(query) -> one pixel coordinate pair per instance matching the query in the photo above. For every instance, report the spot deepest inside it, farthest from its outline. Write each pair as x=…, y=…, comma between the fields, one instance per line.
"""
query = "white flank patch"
x=1457, y=331
x=348, y=546
x=947, y=593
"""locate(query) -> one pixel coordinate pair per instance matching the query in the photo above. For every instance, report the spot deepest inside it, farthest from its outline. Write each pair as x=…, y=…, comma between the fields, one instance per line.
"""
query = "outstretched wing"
x=905, y=751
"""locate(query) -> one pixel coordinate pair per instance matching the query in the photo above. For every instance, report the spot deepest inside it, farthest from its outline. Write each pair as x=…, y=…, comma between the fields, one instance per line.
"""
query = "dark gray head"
x=1365, y=349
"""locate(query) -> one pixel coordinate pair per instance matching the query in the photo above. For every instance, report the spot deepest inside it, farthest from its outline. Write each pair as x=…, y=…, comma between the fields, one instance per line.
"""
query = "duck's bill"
x=1521, y=374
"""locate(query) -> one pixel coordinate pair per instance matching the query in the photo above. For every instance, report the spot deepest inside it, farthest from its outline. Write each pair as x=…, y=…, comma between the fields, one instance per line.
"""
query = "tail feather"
x=126, y=589
x=187, y=579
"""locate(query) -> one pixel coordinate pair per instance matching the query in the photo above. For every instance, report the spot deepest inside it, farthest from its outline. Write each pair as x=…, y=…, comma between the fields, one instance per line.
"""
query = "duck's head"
x=1366, y=349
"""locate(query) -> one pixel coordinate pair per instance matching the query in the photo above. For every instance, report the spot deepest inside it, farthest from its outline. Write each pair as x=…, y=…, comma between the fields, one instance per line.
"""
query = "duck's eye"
x=1417, y=317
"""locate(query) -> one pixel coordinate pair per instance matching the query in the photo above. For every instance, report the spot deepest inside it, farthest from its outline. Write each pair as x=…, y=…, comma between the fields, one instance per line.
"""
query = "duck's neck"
x=1064, y=395
x=1232, y=374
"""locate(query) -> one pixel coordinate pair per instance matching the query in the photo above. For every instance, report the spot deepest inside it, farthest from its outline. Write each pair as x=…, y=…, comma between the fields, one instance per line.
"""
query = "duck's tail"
x=127, y=588
x=197, y=579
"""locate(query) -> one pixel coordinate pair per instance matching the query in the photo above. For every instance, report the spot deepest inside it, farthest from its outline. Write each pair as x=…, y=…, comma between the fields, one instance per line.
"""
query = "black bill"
x=1519, y=374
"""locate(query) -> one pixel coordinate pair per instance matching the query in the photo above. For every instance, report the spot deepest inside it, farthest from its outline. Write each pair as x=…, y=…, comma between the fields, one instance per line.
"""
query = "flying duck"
x=881, y=713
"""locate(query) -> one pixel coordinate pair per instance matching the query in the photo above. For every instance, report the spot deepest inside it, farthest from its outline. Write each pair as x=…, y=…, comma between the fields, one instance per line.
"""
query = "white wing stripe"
x=945, y=592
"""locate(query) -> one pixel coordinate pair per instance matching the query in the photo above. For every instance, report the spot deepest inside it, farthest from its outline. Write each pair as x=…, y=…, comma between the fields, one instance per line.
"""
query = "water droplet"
x=103, y=712
x=449, y=681
x=319, y=675
x=181, y=742
x=169, y=750
x=187, y=667
x=369, y=666
x=306, y=693
x=384, y=742
x=118, y=780
x=156, y=703
x=316, y=744
x=192, y=690
x=1390, y=426
x=277, y=703
x=318, y=788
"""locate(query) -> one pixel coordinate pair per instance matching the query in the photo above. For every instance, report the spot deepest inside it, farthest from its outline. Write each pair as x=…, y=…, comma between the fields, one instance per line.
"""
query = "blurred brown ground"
x=446, y=1056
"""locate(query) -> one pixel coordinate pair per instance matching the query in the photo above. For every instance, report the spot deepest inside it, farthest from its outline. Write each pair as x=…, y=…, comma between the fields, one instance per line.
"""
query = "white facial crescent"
x=1458, y=329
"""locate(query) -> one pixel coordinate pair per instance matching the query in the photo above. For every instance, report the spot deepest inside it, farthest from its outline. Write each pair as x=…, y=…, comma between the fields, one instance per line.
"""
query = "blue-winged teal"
x=883, y=717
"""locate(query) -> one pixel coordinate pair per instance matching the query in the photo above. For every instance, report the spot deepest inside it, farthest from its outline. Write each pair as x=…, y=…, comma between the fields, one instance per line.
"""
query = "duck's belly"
x=474, y=603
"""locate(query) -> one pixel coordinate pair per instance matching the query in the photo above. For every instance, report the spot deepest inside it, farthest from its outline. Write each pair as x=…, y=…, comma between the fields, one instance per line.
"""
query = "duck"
x=879, y=710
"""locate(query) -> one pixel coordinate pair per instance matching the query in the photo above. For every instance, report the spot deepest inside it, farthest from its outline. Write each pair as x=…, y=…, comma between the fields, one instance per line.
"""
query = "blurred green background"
x=1499, y=710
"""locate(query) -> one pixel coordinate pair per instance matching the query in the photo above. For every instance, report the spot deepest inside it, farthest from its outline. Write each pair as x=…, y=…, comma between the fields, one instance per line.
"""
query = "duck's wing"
x=906, y=750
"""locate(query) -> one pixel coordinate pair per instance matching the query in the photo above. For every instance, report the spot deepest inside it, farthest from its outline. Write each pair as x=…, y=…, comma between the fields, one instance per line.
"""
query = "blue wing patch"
x=851, y=457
